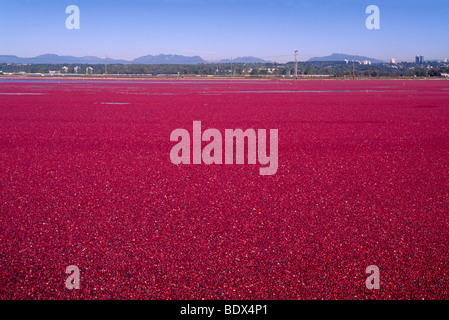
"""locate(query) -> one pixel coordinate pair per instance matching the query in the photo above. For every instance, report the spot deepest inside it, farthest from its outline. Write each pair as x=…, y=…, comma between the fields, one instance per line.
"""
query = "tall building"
x=445, y=60
x=393, y=61
x=417, y=59
x=421, y=59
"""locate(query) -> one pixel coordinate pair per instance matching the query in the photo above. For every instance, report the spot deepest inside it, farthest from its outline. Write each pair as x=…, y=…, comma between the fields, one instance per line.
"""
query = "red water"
x=363, y=179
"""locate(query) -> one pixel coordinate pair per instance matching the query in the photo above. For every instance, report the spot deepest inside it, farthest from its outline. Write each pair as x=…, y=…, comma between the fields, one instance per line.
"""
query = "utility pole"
x=353, y=68
x=296, y=64
x=231, y=66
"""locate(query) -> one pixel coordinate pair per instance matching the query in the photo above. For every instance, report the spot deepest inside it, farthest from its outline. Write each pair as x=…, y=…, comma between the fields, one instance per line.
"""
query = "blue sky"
x=217, y=29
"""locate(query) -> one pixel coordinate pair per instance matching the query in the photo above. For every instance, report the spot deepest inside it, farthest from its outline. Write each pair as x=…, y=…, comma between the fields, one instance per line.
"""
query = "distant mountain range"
x=168, y=59
x=55, y=59
x=342, y=57
x=149, y=59
x=160, y=59
x=244, y=60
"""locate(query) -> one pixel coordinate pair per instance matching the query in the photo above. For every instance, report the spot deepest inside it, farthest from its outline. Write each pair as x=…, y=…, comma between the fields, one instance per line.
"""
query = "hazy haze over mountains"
x=248, y=59
x=342, y=57
x=148, y=59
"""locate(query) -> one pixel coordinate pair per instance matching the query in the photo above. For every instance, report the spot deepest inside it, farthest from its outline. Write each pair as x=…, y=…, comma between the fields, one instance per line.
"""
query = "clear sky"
x=218, y=29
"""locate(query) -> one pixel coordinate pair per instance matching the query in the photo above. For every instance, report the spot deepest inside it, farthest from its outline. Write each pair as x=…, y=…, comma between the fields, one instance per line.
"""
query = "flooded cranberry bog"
x=86, y=180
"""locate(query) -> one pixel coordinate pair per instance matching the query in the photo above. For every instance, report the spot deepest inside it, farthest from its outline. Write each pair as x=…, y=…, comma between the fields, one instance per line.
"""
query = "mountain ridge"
x=51, y=58
x=245, y=59
x=342, y=57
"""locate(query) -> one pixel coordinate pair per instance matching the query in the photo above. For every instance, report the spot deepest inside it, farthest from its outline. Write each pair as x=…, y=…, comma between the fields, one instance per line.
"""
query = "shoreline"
x=209, y=78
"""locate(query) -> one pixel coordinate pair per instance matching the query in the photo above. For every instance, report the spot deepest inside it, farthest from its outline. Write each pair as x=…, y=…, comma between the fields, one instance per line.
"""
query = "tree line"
x=336, y=69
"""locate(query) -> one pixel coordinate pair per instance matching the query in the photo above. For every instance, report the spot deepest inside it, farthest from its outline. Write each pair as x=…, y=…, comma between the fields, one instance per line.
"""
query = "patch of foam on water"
x=114, y=102
x=316, y=91
x=62, y=81
x=21, y=93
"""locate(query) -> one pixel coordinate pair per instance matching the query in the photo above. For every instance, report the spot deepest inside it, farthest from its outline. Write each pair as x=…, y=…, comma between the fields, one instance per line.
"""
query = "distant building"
x=89, y=70
x=446, y=75
x=65, y=69
x=419, y=59
x=366, y=62
x=393, y=61
x=76, y=69
x=445, y=60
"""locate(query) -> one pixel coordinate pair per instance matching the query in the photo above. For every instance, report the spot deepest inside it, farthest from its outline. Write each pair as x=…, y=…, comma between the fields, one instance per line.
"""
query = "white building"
x=393, y=61
x=65, y=69
x=366, y=62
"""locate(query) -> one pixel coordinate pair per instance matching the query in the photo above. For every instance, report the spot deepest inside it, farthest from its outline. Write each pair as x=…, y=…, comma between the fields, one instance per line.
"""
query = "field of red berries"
x=86, y=179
